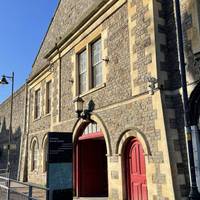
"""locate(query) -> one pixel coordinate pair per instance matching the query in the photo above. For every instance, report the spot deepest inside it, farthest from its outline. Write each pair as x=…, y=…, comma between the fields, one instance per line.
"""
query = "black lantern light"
x=3, y=80
x=84, y=114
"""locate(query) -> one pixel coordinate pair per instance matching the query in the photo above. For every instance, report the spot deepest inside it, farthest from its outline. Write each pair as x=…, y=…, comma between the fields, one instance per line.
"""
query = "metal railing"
x=14, y=190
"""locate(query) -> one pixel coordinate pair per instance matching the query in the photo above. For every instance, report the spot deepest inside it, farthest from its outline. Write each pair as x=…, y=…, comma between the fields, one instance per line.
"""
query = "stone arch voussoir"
x=44, y=140
x=80, y=124
x=34, y=139
x=132, y=133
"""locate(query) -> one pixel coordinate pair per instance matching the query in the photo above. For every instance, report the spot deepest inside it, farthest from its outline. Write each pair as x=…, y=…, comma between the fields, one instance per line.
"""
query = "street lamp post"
x=4, y=81
x=194, y=194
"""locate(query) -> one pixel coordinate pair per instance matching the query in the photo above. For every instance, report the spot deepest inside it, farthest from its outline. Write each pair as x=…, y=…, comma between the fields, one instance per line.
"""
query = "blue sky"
x=23, y=24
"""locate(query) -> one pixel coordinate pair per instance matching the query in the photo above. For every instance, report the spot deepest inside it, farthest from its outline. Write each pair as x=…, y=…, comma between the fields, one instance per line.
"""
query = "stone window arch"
x=129, y=134
x=34, y=155
x=82, y=125
x=45, y=153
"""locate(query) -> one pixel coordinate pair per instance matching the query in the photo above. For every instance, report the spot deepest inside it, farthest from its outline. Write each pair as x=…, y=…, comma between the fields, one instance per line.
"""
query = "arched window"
x=45, y=153
x=34, y=156
x=91, y=131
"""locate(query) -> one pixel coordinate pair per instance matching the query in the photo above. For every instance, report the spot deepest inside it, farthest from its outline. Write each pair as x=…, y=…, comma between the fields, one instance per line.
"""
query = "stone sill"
x=41, y=117
x=93, y=90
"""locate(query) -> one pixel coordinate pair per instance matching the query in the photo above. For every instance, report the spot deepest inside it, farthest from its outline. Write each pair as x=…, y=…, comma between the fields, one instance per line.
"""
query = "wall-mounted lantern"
x=81, y=113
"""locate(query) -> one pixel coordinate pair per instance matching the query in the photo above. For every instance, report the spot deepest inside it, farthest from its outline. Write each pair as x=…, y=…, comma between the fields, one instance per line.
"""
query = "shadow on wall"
x=14, y=155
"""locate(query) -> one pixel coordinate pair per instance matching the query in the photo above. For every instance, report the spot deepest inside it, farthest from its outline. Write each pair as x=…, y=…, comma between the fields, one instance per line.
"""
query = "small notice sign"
x=59, y=169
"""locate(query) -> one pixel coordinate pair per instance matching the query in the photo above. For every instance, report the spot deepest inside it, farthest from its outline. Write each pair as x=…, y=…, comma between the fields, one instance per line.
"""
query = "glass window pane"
x=82, y=62
x=96, y=63
x=96, y=52
x=97, y=74
x=45, y=154
x=82, y=71
x=98, y=128
x=48, y=97
x=37, y=104
x=35, y=156
x=82, y=80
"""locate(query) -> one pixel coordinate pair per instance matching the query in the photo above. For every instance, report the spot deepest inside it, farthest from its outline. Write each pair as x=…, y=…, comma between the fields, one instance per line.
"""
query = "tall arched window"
x=34, y=156
x=45, y=152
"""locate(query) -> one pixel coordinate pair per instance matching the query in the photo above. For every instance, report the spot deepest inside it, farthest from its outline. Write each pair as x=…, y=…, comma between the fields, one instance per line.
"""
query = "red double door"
x=92, y=178
x=136, y=171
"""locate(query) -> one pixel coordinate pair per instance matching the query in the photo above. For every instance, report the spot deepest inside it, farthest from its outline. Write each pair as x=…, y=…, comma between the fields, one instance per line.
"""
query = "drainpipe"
x=194, y=194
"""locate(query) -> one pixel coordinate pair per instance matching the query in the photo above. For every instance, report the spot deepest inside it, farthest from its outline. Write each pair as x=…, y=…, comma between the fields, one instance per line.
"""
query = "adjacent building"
x=123, y=55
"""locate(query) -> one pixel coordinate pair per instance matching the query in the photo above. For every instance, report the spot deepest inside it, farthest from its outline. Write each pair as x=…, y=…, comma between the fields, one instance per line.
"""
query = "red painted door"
x=136, y=173
x=92, y=168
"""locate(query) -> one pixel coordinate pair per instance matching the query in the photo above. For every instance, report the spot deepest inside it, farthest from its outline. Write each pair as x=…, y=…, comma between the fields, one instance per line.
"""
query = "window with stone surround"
x=37, y=104
x=89, y=62
x=48, y=97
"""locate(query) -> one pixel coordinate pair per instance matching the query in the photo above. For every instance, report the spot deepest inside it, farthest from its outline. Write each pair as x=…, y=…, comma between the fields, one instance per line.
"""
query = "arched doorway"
x=135, y=171
x=91, y=163
x=194, y=111
x=194, y=106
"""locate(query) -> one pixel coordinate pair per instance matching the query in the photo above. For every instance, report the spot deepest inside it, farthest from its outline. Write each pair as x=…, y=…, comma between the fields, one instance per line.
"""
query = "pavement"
x=40, y=194
x=18, y=189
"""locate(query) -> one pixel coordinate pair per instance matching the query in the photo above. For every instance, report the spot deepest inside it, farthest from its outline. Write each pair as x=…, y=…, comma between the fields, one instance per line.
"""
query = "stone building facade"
x=137, y=123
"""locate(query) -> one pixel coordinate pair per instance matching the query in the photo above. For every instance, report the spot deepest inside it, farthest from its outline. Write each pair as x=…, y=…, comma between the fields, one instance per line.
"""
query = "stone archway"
x=81, y=124
x=91, y=146
x=194, y=112
x=132, y=132
x=125, y=148
x=194, y=105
